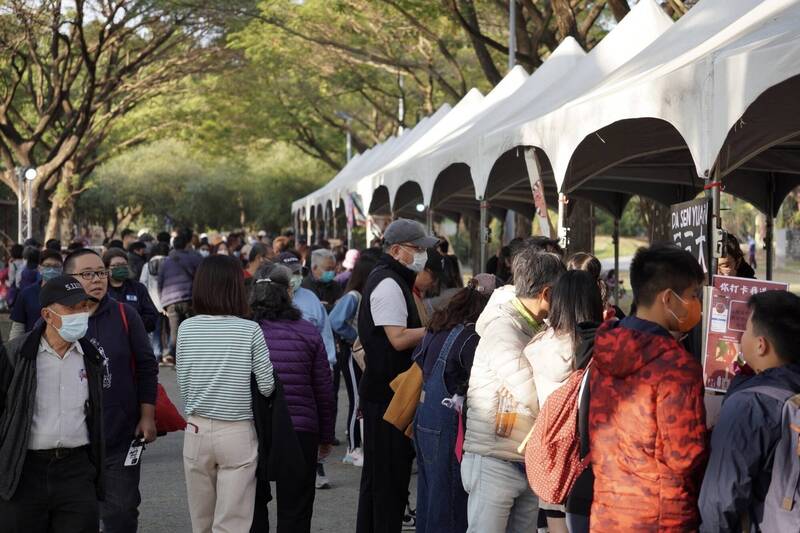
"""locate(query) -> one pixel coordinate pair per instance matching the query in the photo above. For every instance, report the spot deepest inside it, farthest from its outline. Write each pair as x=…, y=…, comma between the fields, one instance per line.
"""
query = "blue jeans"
x=441, y=499
x=120, y=510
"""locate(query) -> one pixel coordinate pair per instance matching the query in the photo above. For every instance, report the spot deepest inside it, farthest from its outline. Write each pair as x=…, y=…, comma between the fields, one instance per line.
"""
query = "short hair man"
x=647, y=426
x=27, y=311
x=322, y=278
x=51, y=451
x=492, y=470
x=128, y=237
x=129, y=390
x=389, y=328
x=258, y=256
x=750, y=424
x=137, y=258
x=175, y=279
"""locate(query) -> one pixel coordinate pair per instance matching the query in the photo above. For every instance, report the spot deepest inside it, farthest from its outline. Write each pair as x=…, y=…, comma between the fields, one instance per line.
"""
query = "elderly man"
x=322, y=279
x=492, y=470
x=389, y=328
x=51, y=445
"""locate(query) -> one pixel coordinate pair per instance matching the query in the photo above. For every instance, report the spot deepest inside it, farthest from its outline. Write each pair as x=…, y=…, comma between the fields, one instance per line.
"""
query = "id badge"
x=134, y=454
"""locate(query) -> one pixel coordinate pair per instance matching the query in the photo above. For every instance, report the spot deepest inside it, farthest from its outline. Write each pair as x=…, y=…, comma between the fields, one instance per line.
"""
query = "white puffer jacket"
x=500, y=363
x=552, y=360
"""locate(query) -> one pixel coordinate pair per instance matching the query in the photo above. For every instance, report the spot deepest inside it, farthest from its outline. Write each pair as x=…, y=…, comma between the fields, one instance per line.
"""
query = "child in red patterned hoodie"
x=647, y=426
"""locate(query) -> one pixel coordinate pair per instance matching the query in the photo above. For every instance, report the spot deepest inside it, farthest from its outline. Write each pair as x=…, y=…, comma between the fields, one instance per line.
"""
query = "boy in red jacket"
x=646, y=418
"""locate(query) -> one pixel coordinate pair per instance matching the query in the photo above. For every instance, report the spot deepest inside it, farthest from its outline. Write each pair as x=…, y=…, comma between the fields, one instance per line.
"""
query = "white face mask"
x=418, y=265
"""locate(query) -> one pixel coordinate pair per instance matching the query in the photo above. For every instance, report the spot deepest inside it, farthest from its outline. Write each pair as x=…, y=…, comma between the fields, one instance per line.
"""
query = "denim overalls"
x=441, y=499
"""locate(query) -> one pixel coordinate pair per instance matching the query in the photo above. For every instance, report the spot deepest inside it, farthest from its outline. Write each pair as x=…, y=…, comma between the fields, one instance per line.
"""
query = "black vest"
x=384, y=363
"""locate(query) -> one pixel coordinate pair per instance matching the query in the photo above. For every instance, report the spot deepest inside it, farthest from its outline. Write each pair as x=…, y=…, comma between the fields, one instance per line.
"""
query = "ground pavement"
x=164, y=508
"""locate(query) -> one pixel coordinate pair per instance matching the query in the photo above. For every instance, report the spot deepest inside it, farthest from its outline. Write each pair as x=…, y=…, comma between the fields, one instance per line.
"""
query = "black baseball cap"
x=64, y=290
x=290, y=260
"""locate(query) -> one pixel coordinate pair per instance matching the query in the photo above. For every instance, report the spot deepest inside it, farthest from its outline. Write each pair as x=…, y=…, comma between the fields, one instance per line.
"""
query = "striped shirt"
x=215, y=357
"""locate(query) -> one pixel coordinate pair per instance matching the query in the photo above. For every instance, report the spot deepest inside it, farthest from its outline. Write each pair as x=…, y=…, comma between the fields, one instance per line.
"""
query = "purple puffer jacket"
x=299, y=358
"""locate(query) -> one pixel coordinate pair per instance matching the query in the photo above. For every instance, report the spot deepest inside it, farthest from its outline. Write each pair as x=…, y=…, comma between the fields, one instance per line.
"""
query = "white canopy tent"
x=650, y=110
x=363, y=164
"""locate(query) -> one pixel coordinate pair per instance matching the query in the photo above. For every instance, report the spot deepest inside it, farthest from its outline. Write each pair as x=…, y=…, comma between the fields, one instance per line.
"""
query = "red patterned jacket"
x=647, y=430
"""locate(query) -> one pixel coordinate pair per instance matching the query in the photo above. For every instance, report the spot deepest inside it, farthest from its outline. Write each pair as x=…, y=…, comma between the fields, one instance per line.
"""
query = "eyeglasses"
x=416, y=249
x=89, y=275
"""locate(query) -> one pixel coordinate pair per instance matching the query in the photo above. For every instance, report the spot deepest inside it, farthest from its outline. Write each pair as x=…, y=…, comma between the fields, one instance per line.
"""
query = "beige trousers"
x=220, y=461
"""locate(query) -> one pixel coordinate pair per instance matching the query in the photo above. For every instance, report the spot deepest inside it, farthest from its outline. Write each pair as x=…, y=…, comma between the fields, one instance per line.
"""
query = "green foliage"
x=630, y=225
x=169, y=179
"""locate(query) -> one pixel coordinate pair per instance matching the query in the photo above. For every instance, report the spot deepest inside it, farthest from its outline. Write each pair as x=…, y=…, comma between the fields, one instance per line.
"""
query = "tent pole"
x=716, y=221
x=429, y=220
x=770, y=237
x=484, y=233
x=616, y=260
x=562, y=219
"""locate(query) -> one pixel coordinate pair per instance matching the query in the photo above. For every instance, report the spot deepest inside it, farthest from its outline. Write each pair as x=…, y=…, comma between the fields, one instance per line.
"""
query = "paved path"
x=624, y=263
x=164, y=508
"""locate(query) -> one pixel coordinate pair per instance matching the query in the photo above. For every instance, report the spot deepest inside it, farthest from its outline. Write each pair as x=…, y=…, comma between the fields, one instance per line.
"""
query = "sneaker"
x=354, y=457
x=322, y=479
x=410, y=519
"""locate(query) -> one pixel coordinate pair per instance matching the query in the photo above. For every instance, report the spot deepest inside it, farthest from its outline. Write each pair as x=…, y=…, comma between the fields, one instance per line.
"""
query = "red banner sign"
x=726, y=321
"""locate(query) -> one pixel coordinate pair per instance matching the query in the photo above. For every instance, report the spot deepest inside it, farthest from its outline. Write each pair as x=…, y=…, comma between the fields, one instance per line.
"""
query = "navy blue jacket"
x=26, y=308
x=136, y=295
x=122, y=394
x=176, y=276
x=742, y=446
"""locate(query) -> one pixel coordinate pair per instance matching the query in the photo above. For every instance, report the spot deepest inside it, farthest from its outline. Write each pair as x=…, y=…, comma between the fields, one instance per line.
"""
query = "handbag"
x=168, y=418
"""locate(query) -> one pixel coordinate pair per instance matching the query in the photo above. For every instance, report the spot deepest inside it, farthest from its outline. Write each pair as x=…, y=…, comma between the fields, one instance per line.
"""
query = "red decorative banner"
x=726, y=321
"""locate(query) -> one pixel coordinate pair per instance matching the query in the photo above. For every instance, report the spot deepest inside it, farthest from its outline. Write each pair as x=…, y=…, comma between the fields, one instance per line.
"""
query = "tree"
x=171, y=180
x=69, y=73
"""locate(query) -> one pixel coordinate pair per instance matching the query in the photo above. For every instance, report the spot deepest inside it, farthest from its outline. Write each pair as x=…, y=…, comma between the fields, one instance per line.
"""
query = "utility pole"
x=25, y=177
x=512, y=34
x=401, y=108
x=349, y=146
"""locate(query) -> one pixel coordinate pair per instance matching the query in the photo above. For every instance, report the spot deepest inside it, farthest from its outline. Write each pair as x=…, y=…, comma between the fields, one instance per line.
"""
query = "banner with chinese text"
x=726, y=321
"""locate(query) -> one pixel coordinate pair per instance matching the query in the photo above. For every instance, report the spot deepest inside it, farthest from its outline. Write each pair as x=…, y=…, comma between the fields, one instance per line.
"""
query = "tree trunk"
x=522, y=226
x=657, y=217
x=581, y=227
x=53, y=228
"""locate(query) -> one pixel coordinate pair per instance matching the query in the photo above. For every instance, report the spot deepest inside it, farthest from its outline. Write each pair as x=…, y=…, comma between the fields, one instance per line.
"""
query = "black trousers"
x=352, y=378
x=339, y=368
x=295, y=495
x=388, y=454
x=53, y=496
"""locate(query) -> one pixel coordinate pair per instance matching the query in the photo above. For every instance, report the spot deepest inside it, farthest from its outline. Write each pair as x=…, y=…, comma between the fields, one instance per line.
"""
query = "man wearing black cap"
x=389, y=328
x=51, y=445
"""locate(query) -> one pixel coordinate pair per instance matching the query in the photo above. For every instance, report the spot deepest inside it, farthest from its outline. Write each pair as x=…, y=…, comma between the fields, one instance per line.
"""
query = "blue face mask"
x=73, y=327
x=328, y=276
x=51, y=272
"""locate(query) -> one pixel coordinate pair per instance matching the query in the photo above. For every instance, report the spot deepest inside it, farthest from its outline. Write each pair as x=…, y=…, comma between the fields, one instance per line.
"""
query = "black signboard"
x=689, y=229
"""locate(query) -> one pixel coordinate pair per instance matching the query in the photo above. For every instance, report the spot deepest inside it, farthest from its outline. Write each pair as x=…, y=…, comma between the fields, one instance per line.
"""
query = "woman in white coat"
x=575, y=299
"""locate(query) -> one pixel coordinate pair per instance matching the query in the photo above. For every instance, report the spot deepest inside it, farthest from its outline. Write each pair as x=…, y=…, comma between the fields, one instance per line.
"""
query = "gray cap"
x=403, y=231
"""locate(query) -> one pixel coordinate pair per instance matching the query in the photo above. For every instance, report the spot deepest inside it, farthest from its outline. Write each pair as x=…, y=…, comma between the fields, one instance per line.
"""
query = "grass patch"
x=604, y=247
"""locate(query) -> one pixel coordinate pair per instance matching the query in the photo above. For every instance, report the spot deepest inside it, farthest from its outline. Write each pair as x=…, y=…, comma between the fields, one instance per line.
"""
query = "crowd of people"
x=464, y=377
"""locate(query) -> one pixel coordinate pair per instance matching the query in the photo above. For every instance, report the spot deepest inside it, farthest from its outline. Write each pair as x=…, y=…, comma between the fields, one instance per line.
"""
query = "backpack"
x=552, y=455
x=782, y=503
